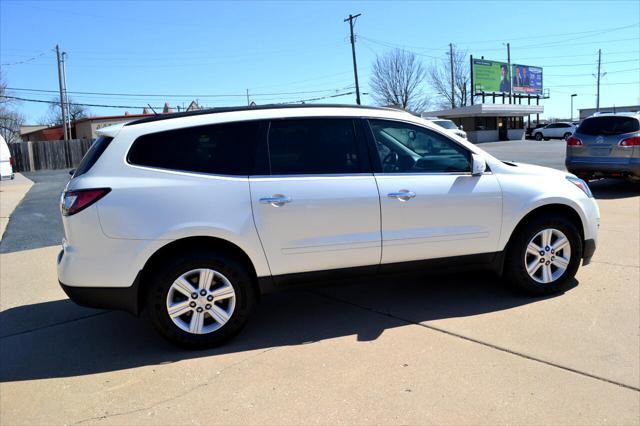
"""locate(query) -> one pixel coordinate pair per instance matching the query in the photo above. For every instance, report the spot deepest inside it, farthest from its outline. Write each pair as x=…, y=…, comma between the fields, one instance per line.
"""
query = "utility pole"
x=248, y=102
x=572, y=96
x=509, y=69
x=64, y=114
x=66, y=94
x=351, y=20
x=598, y=77
x=453, y=90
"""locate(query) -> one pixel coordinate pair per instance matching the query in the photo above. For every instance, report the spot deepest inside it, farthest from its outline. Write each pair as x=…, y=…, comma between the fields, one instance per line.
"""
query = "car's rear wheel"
x=200, y=299
x=538, y=136
x=544, y=255
x=566, y=136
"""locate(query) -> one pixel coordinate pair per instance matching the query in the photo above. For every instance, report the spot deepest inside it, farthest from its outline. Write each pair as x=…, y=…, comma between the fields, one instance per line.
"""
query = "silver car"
x=606, y=145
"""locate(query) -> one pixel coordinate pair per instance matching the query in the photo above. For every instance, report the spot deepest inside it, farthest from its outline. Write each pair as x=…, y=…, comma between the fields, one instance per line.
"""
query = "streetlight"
x=572, y=96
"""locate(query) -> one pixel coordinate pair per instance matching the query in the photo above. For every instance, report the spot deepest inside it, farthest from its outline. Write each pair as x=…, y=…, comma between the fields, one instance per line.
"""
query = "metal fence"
x=31, y=156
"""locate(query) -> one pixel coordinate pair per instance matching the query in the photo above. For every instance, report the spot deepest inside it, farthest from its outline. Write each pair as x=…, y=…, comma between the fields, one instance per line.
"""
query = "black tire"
x=538, y=136
x=235, y=270
x=566, y=136
x=515, y=269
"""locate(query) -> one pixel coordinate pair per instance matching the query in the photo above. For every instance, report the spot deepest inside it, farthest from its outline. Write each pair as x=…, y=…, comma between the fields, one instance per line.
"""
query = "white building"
x=489, y=122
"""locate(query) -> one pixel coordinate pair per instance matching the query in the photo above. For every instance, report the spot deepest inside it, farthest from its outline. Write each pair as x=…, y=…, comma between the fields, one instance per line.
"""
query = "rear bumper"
x=116, y=298
x=604, y=166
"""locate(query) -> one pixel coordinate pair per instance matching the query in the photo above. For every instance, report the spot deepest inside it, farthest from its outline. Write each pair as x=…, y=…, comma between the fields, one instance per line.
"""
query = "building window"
x=516, y=122
x=486, y=123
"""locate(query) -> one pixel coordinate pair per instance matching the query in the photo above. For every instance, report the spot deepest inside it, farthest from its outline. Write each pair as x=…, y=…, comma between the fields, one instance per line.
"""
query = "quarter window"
x=313, y=146
x=405, y=148
x=225, y=149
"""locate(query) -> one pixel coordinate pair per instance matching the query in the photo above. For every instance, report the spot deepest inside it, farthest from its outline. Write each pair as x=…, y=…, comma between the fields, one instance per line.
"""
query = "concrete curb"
x=11, y=193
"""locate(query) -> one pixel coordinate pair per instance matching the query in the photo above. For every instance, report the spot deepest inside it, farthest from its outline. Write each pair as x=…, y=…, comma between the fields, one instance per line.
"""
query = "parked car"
x=531, y=130
x=192, y=215
x=606, y=145
x=558, y=130
x=449, y=125
x=6, y=162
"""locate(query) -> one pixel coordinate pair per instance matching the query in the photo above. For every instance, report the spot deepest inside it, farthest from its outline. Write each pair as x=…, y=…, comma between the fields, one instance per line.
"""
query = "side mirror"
x=72, y=171
x=478, y=165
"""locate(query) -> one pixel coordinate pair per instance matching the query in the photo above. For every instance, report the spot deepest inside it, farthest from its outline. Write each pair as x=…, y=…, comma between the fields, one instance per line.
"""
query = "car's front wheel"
x=538, y=136
x=200, y=299
x=544, y=255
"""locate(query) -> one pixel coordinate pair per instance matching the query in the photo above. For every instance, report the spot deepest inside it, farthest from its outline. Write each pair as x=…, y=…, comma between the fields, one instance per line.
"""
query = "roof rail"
x=161, y=117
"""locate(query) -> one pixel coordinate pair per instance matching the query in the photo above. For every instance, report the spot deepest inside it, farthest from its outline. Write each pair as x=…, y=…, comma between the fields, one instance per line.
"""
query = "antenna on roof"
x=154, y=111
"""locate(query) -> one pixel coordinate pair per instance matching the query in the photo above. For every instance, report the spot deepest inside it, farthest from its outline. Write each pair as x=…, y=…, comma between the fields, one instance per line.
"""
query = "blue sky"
x=288, y=51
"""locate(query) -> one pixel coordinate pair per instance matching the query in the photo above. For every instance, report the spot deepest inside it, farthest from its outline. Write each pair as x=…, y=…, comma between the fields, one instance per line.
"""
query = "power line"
x=25, y=61
x=590, y=74
x=588, y=63
x=142, y=107
x=229, y=95
x=601, y=84
x=537, y=37
x=581, y=55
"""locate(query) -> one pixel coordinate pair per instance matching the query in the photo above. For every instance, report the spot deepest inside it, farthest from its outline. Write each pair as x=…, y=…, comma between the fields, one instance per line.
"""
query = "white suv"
x=192, y=215
x=557, y=130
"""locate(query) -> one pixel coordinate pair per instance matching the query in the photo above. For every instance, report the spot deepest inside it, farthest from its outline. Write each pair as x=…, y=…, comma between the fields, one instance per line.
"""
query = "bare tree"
x=54, y=114
x=10, y=120
x=440, y=80
x=398, y=76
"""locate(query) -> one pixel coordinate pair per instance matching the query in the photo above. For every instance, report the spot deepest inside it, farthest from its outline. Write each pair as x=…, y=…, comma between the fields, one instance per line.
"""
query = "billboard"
x=494, y=77
x=527, y=79
x=490, y=76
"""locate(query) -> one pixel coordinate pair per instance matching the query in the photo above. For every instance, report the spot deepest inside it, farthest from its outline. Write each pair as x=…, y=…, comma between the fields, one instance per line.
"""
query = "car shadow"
x=102, y=341
x=610, y=189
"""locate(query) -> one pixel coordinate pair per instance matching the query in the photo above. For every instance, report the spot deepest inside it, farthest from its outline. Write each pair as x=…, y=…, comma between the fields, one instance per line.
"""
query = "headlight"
x=580, y=184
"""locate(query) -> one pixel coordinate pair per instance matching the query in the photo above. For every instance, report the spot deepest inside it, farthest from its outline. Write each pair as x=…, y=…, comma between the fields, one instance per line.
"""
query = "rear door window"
x=610, y=125
x=314, y=146
x=226, y=149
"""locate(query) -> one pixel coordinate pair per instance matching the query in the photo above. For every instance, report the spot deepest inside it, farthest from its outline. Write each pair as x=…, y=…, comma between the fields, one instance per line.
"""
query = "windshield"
x=609, y=126
x=447, y=124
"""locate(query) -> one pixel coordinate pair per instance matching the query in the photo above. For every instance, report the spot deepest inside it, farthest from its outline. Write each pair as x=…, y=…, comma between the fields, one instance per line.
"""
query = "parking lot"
x=444, y=349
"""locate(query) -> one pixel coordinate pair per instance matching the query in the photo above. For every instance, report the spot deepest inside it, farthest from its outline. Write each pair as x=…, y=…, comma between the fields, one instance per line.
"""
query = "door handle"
x=278, y=200
x=402, y=195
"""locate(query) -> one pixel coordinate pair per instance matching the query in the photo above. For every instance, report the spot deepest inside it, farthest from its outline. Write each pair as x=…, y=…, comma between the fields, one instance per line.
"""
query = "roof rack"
x=161, y=117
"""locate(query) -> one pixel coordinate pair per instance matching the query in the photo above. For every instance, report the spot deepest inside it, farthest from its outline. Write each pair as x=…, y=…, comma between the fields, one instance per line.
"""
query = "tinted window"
x=609, y=126
x=313, y=146
x=405, y=148
x=225, y=149
x=92, y=155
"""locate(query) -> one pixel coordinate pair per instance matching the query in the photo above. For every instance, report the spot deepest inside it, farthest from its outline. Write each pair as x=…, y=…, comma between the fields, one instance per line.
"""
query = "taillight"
x=573, y=141
x=11, y=161
x=76, y=201
x=632, y=141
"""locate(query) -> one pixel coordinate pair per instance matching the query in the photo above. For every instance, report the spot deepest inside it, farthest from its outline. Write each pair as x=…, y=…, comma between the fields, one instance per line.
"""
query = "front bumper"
x=604, y=166
x=587, y=251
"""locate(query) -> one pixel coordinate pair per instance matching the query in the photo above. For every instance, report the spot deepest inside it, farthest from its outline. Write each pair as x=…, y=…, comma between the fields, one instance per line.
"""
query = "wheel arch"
x=190, y=243
x=547, y=209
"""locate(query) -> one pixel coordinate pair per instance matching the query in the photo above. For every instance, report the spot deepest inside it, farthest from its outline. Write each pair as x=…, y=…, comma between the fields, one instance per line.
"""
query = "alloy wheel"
x=548, y=255
x=201, y=301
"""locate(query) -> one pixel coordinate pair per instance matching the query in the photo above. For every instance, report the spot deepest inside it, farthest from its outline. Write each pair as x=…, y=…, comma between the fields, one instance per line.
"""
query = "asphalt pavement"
x=36, y=222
